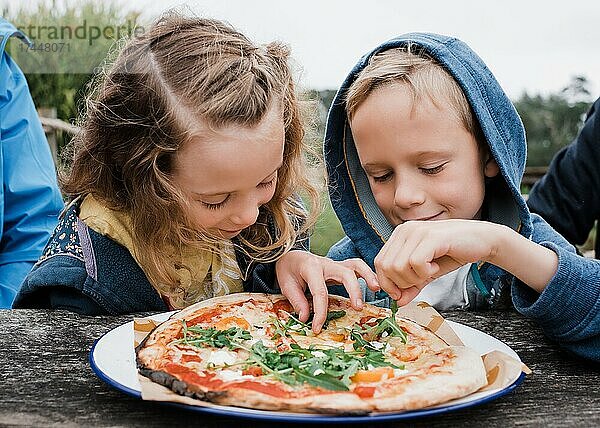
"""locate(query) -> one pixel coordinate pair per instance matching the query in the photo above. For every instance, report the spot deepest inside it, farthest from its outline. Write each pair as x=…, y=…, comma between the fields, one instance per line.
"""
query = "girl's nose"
x=245, y=216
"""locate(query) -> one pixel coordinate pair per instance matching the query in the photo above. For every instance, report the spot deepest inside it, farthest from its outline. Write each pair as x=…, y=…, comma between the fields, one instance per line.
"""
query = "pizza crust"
x=463, y=376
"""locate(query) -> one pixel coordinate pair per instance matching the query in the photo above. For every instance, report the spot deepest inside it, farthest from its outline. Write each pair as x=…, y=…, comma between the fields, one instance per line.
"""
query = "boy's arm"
x=418, y=252
x=568, y=309
x=534, y=264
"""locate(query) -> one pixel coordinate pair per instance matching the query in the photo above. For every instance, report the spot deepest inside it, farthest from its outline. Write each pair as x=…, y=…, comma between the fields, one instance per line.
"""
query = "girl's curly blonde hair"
x=181, y=70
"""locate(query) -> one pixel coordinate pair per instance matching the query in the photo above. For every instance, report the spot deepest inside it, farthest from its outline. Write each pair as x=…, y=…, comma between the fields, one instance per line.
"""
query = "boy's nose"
x=406, y=196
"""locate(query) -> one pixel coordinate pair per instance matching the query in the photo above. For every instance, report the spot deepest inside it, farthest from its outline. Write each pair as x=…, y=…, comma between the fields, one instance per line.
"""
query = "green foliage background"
x=49, y=84
x=551, y=121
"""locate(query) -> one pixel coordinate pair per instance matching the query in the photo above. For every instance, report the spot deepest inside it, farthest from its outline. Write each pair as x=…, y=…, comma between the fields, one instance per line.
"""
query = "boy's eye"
x=382, y=178
x=434, y=170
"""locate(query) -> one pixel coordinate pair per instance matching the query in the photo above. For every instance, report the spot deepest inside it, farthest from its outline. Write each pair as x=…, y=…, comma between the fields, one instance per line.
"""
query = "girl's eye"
x=214, y=206
x=434, y=170
x=382, y=178
x=269, y=183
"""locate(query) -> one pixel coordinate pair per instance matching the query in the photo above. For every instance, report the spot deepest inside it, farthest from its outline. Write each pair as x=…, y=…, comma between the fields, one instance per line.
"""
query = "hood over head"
x=349, y=189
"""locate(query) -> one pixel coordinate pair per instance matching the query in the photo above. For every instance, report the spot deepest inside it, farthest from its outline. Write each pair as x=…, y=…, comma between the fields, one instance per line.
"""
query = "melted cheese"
x=222, y=357
x=231, y=375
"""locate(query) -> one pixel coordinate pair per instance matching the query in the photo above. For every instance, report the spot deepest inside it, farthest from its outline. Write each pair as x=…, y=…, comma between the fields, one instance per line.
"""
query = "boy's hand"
x=298, y=269
x=420, y=251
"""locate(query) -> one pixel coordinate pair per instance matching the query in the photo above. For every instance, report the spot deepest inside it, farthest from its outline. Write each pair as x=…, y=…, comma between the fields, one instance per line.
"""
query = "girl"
x=184, y=181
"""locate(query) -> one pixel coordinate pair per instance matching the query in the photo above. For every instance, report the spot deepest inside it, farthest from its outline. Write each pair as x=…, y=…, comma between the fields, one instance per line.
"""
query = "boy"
x=425, y=154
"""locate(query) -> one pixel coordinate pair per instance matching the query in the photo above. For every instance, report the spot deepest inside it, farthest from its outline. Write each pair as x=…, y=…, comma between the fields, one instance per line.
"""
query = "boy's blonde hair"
x=183, y=70
x=411, y=66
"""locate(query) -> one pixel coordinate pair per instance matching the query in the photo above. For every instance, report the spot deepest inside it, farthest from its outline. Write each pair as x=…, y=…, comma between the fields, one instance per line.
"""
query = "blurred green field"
x=327, y=231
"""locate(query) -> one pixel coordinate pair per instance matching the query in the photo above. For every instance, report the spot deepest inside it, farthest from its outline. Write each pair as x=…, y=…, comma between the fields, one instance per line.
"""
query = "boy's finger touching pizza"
x=295, y=294
x=408, y=295
x=389, y=287
x=396, y=268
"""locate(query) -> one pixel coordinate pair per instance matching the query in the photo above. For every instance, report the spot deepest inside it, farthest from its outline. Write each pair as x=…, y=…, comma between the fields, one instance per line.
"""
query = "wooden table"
x=46, y=379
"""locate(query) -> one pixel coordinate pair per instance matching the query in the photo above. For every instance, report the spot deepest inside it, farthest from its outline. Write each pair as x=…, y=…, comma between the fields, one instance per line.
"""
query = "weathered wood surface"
x=46, y=379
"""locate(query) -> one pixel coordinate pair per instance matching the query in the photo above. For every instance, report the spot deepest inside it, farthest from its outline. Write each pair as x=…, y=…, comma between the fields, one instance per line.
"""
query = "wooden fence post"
x=533, y=174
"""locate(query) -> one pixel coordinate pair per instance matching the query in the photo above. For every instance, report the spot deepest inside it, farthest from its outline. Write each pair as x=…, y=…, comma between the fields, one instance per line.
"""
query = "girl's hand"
x=298, y=269
x=420, y=251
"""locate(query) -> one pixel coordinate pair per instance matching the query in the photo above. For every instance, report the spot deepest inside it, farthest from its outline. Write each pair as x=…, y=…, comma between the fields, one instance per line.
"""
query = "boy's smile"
x=422, y=164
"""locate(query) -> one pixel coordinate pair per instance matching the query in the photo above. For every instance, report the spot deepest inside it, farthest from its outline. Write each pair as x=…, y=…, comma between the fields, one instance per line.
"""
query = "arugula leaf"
x=202, y=337
x=330, y=368
x=333, y=315
x=294, y=325
x=387, y=325
x=280, y=328
x=360, y=342
x=350, y=371
x=391, y=327
x=322, y=380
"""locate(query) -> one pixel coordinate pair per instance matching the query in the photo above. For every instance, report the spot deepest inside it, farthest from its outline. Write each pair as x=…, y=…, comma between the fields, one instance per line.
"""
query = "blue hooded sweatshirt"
x=29, y=196
x=568, y=310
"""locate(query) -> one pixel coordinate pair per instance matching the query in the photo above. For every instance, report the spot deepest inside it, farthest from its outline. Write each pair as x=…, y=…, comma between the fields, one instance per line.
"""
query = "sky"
x=533, y=46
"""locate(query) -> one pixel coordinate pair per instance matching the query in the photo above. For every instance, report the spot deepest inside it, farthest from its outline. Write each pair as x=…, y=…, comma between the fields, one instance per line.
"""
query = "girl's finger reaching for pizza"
x=348, y=278
x=363, y=270
x=295, y=294
x=318, y=289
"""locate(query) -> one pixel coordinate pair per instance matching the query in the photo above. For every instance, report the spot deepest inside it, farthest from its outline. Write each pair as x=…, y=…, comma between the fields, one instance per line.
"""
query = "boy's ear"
x=491, y=168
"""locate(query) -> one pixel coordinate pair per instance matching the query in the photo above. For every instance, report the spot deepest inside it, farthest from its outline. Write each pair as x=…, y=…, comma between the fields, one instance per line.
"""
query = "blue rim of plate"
x=265, y=415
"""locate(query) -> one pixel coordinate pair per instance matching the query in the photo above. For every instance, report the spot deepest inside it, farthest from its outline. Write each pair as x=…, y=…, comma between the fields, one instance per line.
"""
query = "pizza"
x=251, y=350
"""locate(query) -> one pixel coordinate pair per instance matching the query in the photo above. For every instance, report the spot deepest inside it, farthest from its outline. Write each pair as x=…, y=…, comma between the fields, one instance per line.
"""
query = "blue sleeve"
x=58, y=283
x=568, y=309
x=9, y=287
x=568, y=196
x=342, y=250
x=29, y=199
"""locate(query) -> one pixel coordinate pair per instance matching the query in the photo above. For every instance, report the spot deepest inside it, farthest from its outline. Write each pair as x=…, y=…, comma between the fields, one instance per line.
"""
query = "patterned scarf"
x=202, y=274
